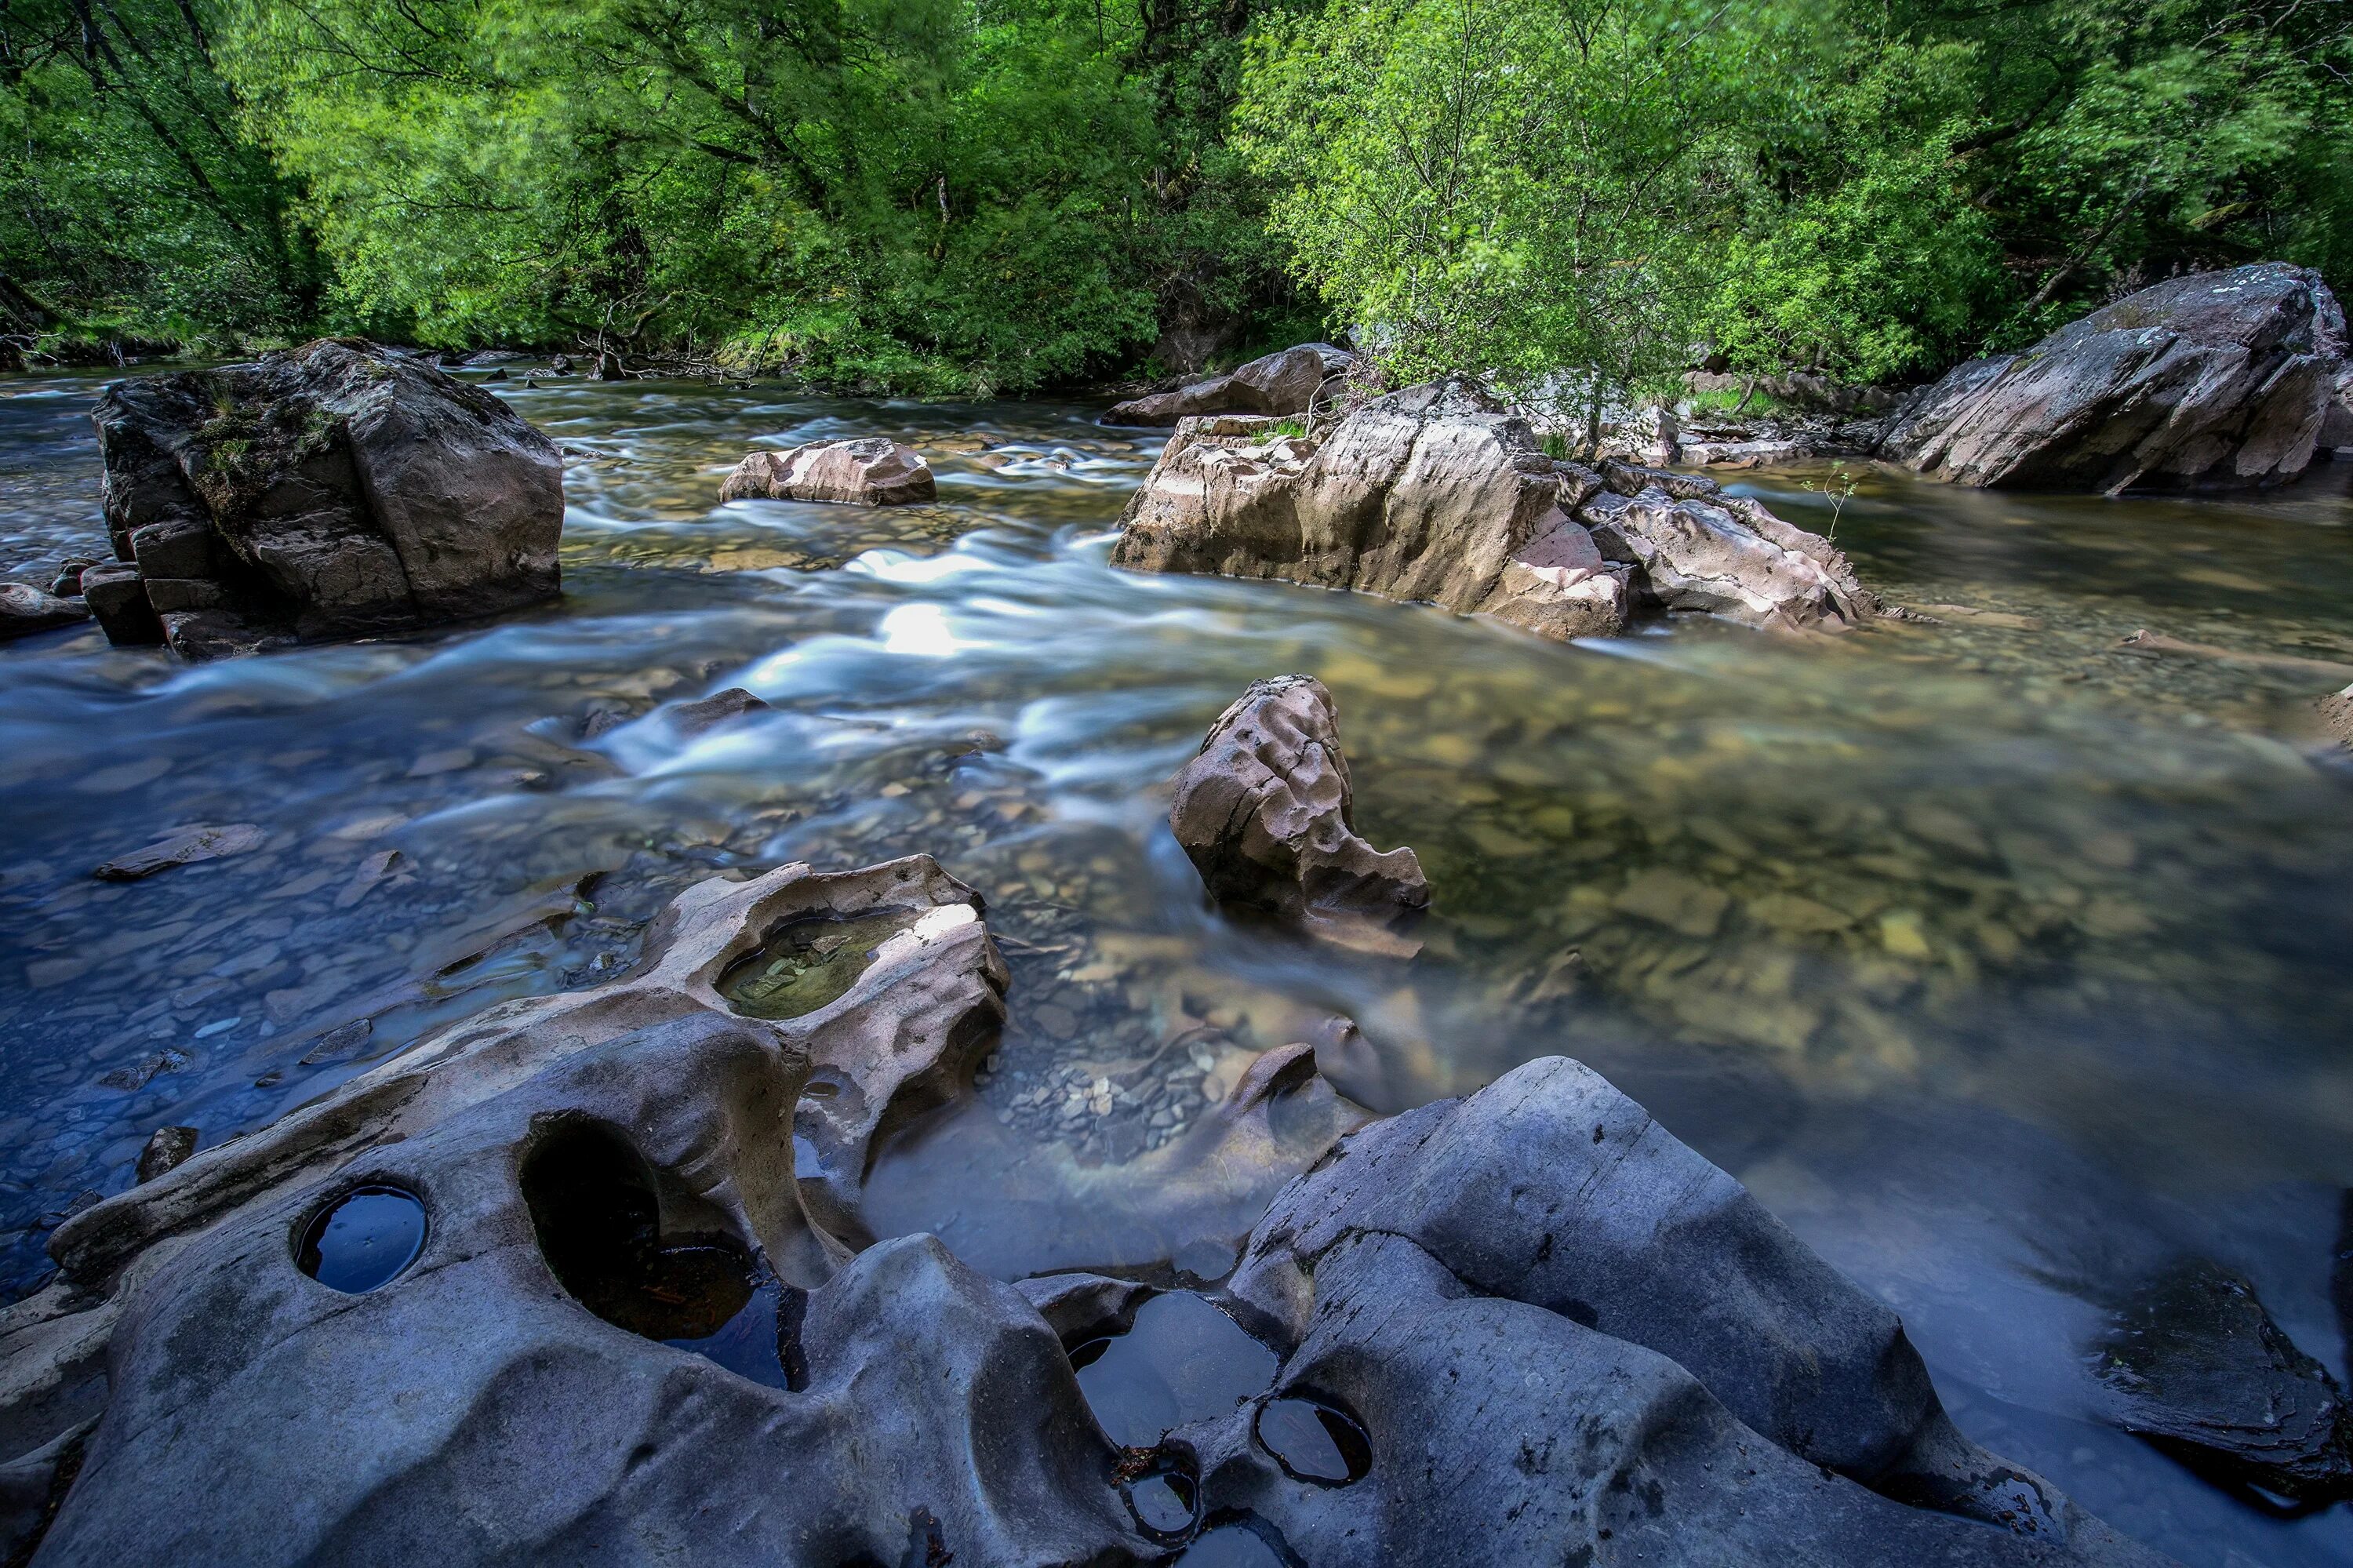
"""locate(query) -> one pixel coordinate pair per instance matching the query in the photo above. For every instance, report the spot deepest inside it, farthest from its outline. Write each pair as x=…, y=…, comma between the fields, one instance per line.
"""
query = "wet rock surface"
x=2195, y=1364
x=1291, y=381
x=335, y=489
x=1533, y=1319
x=2216, y=380
x=870, y=470
x=1264, y=811
x=25, y=609
x=1432, y=495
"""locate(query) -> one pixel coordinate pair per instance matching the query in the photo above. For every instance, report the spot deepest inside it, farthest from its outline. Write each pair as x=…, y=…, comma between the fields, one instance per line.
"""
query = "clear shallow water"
x=2002, y=963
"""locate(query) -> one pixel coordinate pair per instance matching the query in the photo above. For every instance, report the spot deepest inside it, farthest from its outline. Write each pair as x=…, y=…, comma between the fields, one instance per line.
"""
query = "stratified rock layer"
x=1432, y=495
x=1265, y=812
x=870, y=470
x=1565, y=1336
x=2196, y=1364
x=2211, y=381
x=333, y=490
x=1291, y=381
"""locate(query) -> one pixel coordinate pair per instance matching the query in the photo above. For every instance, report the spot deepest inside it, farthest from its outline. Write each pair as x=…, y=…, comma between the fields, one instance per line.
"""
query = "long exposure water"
x=2005, y=963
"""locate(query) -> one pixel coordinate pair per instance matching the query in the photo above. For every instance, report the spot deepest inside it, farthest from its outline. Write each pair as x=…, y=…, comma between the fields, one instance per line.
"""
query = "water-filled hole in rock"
x=366, y=1239
x=1165, y=1498
x=810, y=963
x=1313, y=1441
x=1182, y=1361
x=593, y=1209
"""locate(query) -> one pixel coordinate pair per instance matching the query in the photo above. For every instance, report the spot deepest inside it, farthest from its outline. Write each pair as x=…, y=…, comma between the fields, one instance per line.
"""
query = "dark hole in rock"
x=810, y=963
x=364, y=1239
x=1182, y=1361
x=599, y=1226
x=1313, y=1441
x=1162, y=1494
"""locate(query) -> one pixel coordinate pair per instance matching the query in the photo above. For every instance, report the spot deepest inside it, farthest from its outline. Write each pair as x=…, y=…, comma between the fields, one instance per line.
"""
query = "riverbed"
x=2002, y=961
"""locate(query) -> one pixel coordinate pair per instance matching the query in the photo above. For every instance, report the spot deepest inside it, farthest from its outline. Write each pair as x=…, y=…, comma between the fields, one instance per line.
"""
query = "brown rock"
x=166, y=1146
x=1264, y=813
x=2215, y=380
x=693, y=718
x=868, y=471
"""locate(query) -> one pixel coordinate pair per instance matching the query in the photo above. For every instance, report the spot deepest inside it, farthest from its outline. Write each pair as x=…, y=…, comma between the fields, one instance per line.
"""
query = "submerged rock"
x=1532, y=1320
x=870, y=470
x=182, y=849
x=1265, y=810
x=335, y=490
x=1291, y=381
x=1432, y=495
x=2211, y=381
x=25, y=609
x=2195, y=1364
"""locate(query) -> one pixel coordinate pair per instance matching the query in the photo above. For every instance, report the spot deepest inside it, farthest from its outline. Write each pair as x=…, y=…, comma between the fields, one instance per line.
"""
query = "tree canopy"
x=977, y=195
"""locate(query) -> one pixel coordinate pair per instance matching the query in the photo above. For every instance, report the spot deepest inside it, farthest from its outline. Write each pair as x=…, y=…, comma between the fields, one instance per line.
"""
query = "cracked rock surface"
x=1433, y=494
x=2212, y=381
x=335, y=490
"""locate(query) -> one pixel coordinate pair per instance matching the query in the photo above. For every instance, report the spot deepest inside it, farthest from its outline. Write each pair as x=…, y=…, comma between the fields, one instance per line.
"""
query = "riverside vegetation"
x=986, y=195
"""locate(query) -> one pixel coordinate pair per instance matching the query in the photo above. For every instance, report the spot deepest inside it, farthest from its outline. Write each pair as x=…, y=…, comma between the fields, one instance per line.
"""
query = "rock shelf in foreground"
x=584, y=1278
x=1433, y=494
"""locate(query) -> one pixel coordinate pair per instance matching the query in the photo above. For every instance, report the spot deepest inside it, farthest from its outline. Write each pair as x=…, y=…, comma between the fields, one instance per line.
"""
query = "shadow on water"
x=2004, y=962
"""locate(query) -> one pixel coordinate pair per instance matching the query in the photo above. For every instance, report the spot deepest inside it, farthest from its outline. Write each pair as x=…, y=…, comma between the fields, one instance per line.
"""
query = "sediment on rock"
x=1433, y=494
x=335, y=489
x=2211, y=381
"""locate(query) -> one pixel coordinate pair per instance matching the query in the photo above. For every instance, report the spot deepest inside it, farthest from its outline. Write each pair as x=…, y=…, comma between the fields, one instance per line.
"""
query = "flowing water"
x=2006, y=964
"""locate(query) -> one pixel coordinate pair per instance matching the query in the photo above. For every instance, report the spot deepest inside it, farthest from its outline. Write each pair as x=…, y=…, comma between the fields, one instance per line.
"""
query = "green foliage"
x=131, y=204
x=1504, y=187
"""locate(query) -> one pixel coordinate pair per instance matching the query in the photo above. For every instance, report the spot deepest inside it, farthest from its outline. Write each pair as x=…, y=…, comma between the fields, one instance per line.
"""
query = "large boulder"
x=870, y=470
x=1291, y=381
x=1434, y=495
x=1265, y=812
x=335, y=490
x=1532, y=1320
x=2211, y=381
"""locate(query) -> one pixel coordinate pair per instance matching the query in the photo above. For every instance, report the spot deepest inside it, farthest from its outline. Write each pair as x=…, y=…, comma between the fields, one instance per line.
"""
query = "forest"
x=972, y=197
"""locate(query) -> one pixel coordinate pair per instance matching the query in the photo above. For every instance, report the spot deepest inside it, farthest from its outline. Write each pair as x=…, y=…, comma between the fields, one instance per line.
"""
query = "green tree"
x=1506, y=188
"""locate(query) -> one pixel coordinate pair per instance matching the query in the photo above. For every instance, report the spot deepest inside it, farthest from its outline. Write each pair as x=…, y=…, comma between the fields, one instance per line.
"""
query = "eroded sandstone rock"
x=1265, y=812
x=1291, y=381
x=871, y=471
x=2215, y=380
x=1432, y=495
x=1554, y=1330
x=329, y=491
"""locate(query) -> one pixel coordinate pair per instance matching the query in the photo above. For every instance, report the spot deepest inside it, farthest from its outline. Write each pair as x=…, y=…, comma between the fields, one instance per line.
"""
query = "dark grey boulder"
x=2216, y=380
x=1565, y=1334
x=2195, y=1364
x=335, y=489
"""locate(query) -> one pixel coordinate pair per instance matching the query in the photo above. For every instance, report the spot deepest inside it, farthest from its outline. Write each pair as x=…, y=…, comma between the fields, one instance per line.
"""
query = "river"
x=2003, y=962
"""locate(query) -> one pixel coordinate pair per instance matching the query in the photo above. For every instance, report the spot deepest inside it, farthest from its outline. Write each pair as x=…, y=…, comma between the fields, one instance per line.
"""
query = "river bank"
x=2037, y=938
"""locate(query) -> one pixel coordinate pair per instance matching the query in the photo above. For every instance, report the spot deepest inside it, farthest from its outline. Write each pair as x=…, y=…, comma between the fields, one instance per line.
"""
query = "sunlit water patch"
x=2004, y=962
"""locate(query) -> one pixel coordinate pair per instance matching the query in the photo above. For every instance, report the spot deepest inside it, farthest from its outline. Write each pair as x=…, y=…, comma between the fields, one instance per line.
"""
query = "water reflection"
x=2002, y=962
